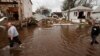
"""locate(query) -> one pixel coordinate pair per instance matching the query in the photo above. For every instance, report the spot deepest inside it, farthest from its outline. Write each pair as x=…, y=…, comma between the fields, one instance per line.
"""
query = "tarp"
x=1, y=19
x=39, y=17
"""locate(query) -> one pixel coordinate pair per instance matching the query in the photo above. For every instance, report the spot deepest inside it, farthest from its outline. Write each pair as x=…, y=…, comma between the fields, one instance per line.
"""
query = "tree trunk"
x=69, y=11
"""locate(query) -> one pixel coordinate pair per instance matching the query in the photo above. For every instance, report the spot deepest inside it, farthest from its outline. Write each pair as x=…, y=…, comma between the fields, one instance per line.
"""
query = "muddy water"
x=3, y=39
x=73, y=40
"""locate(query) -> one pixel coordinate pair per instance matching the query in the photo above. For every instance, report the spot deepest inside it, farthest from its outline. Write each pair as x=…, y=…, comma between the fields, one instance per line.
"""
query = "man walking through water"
x=94, y=33
x=13, y=35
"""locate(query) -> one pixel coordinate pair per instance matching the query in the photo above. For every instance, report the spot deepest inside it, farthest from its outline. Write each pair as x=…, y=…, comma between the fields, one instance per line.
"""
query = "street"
x=58, y=40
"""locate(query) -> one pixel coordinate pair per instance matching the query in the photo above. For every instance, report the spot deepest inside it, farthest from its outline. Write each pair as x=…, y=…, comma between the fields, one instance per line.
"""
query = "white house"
x=77, y=13
x=27, y=8
x=19, y=9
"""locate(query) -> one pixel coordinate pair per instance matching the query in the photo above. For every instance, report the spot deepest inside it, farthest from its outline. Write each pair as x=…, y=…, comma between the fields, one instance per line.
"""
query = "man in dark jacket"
x=94, y=33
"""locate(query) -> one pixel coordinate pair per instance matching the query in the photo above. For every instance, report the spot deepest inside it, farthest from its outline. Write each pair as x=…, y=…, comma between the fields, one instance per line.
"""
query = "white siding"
x=27, y=8
x=72, y=16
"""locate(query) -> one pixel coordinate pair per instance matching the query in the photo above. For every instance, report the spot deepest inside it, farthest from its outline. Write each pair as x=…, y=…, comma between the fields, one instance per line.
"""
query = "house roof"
x=81, y=8
x=97, y=10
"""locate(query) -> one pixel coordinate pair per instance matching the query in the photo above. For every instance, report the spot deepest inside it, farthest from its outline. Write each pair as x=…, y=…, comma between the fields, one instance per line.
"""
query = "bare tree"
x=67, y=4
x=73, y=3
x=86, y=3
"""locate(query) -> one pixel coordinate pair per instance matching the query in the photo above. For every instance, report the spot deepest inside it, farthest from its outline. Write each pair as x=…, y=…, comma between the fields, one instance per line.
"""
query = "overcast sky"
x=54, y=5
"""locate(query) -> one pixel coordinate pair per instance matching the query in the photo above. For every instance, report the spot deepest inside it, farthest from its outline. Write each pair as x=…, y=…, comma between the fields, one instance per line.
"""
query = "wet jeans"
x=94, y=39
x=15, y=40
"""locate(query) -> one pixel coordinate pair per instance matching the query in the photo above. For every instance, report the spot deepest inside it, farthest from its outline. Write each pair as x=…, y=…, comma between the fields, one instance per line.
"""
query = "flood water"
x=72, y=40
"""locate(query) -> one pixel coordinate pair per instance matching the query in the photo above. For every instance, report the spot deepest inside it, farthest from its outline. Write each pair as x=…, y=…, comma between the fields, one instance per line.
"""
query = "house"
x=27, y=8
x=78, y=13
x=16, y=9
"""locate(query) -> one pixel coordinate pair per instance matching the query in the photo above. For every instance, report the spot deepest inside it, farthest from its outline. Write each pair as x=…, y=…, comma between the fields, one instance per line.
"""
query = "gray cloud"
x=55, y=5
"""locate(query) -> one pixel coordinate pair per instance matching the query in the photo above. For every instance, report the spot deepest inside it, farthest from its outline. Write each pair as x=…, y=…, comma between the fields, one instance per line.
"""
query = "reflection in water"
x=3, y=38
x=73, y=32
x=71, y=40
x=27, y=33
x=15, y=52
x=73, y=37
x=10, y=52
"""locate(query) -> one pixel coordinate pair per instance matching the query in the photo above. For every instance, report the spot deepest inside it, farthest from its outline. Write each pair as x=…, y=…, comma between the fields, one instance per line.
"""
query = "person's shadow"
x=7, y=51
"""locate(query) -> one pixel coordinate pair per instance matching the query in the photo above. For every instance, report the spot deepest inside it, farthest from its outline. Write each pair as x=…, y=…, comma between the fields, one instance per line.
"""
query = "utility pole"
x=69, y=3
x=19, y=12
x=19, y=9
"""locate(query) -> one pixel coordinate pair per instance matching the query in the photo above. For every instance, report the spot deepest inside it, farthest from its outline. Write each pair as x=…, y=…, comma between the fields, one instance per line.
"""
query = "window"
x=75, y=13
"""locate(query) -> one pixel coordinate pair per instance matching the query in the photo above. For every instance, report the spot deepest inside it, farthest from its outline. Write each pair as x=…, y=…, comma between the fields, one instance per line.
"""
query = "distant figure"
x=94, y=33
x=13, y=35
